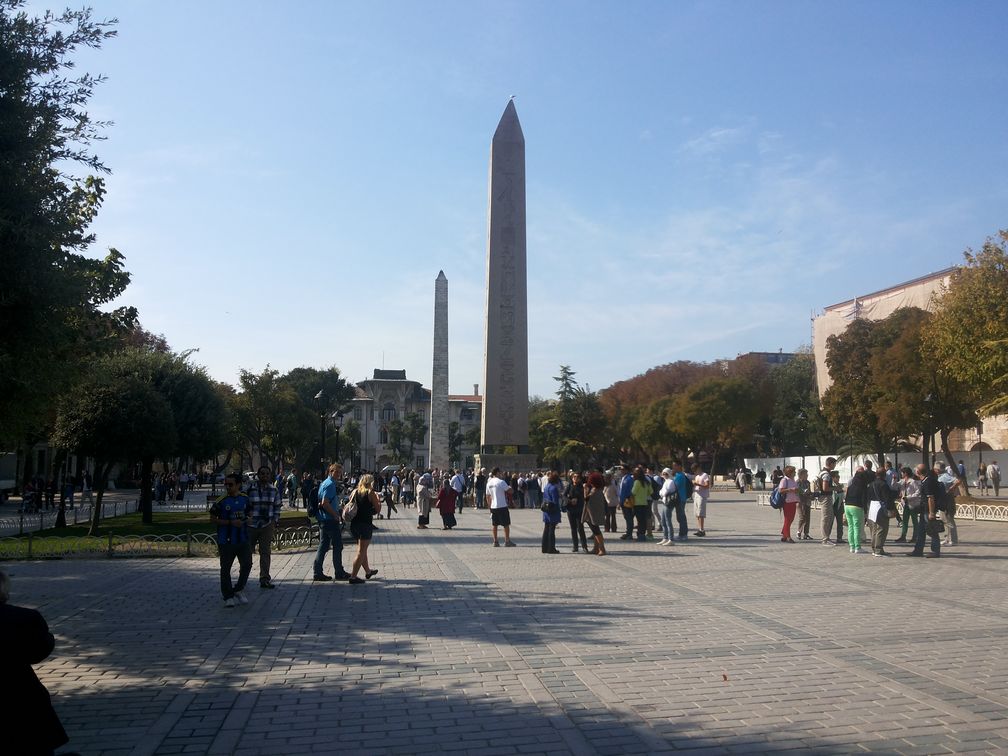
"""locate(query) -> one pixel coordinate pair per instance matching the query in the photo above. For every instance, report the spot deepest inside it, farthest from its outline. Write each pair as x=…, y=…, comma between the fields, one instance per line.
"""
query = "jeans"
x=329, y=537
x=574, y=514
x=610, y=519
x=855, y=519
x=680, y=513
x=479, y=498
x=920, y=527
x=668, y=529
x=628, y=518
x=549, y=538
x=228, y=553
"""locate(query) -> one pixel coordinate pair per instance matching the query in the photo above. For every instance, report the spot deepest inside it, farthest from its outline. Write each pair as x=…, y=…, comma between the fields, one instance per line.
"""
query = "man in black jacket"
x=931, y=493
x=25, y=706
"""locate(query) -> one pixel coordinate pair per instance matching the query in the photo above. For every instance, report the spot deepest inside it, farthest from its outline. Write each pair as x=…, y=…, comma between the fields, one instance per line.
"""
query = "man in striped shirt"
x=264, y=499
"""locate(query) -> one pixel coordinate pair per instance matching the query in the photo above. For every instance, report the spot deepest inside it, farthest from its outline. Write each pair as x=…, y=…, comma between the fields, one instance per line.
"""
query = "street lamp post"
x=320, y=402
x=802, y=423
x=337, y=418
x=927, y=436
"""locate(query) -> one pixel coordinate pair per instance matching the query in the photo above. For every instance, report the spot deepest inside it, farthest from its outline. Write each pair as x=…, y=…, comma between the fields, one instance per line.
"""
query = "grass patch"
x=165, y=523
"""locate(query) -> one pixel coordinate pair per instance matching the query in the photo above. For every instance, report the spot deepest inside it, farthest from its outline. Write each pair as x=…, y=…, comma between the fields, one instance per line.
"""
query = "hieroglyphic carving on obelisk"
x=438, y=450
x=504, y=429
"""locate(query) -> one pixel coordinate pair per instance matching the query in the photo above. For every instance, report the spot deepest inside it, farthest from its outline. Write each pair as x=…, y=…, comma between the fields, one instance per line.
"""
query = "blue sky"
x=702, y=176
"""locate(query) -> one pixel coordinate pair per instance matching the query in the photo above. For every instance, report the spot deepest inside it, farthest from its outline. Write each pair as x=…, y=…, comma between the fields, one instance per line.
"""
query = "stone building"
x=389, y=395
x=972, y=442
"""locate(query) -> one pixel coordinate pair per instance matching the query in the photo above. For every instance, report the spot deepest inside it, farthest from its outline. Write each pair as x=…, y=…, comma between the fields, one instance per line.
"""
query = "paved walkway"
x=733, y=643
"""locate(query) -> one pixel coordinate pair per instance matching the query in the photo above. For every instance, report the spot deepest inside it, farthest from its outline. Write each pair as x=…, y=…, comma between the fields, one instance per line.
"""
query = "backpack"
x=776, y=498
x=312, y=505
x=689, y=486
x=672, y=498
x=655, y=489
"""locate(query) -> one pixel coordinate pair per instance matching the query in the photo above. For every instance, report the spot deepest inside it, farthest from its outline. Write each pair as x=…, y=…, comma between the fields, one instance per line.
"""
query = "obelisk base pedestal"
x=509, y=463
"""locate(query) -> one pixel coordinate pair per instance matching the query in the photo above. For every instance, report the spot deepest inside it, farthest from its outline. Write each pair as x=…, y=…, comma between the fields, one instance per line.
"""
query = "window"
x=420, y=463
x=388, y=412
x=466, y=416
x=383, y=436
x=357, y=414
x=421, y=414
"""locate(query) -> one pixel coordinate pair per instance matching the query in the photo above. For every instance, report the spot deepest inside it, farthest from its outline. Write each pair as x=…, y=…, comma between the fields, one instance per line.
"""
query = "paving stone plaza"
x=733, y=643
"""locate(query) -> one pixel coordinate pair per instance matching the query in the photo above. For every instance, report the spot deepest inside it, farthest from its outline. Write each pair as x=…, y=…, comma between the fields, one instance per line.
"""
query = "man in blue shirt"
x=230, y=513
x=682, y=485
x=330, y=535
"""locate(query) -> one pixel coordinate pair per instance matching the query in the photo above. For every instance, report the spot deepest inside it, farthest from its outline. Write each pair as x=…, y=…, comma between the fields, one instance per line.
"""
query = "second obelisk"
x=504, y=428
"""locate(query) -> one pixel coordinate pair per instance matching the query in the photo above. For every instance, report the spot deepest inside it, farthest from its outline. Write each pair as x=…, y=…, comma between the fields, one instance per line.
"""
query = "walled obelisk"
x=438, y=450
x=504, y=427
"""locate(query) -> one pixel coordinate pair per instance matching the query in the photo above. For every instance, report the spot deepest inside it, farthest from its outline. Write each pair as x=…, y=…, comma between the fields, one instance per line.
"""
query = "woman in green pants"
x=855, y=502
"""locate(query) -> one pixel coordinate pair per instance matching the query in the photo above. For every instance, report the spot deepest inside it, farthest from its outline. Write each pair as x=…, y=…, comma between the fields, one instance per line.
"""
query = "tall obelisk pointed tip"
x=509, y=126
x=441, y=276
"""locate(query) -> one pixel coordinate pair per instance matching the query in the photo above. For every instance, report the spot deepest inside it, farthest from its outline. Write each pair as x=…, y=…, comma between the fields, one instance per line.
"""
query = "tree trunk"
x=102, y=470
x=146, y=492
x=951, y=460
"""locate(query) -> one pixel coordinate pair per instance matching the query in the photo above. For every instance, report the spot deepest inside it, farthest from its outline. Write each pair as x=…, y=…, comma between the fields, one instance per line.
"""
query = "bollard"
x=188, y=542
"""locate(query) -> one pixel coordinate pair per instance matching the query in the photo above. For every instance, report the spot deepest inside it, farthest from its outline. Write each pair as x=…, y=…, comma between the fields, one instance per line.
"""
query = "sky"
x=702, y=177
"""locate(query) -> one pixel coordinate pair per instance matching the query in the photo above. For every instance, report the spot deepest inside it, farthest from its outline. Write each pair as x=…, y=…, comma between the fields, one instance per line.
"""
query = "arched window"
x=388, y=412
x=383, y=436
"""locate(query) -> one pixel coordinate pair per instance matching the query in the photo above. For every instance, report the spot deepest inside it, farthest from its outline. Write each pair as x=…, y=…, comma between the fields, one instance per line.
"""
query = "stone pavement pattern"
x=734, y=643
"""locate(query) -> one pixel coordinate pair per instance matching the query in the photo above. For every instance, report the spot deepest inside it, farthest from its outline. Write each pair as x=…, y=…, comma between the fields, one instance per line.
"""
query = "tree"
x=571, y=428
x=716, y=413
x=111, y=418
x=52, y=296
x=414, y=432
x=969, y=331
x=455, y=439
x=795, y=416
x=849, y=402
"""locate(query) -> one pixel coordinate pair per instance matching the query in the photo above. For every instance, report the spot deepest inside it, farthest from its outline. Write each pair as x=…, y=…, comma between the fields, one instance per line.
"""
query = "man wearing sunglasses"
x=230, y=513
x=266, y=505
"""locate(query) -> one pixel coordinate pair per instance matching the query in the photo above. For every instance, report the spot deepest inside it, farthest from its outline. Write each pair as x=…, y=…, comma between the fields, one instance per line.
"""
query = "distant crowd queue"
x=248, y=514
x=593, y=501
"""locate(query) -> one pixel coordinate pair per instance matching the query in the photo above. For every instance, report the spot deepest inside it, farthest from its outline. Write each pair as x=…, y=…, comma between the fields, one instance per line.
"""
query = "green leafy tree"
x=569, y=430
x=414, y=432
x=716, y=413
x=969, y=331
x=112, y=418
x=796, y=416
x=53, y=298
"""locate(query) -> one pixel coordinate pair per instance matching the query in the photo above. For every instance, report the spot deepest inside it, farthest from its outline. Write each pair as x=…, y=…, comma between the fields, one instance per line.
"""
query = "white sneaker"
x=663, y=542
x=240, y=597
x=229, y=603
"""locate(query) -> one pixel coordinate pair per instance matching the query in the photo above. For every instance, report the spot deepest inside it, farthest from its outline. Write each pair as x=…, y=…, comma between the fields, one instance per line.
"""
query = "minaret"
x=504, y=427
x=438, y=450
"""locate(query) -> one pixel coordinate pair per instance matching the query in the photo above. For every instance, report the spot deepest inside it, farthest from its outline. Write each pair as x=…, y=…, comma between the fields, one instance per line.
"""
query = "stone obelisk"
x=438, y=450
x=504, y=427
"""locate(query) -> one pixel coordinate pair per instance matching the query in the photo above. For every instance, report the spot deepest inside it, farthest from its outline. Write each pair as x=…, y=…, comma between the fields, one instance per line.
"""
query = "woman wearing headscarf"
x=423, y=501
x=551, y=513
x=446, y=505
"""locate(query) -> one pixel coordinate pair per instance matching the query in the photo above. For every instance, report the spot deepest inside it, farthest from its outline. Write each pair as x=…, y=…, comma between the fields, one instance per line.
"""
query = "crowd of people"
x=592, y=501
x=922, y=498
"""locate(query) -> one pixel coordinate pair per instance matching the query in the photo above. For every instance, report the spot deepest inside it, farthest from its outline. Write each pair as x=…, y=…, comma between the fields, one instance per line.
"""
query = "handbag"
x=934, y=528
x=350, y=508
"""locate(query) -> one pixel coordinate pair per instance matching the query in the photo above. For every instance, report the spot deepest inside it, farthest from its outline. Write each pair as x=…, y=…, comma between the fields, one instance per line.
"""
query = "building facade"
x=389, y=395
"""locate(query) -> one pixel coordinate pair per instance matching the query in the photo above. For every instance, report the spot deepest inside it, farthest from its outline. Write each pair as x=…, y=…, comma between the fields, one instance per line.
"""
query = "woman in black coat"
x=25, y=706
